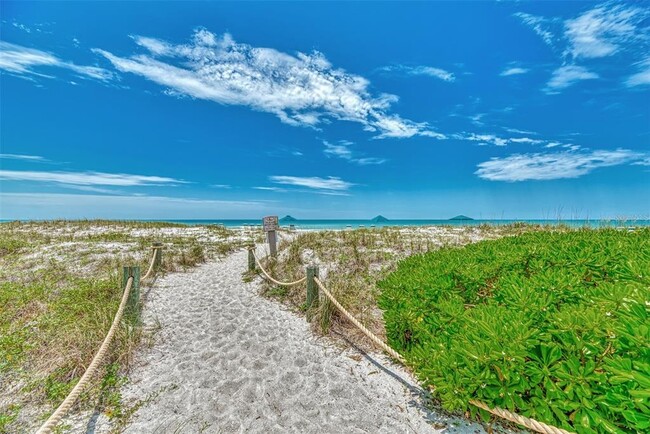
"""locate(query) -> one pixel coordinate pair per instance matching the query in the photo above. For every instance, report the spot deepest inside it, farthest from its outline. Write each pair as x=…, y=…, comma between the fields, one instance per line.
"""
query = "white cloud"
x=525, y=140
x=276, y=189
x=518, y=131
x=22, y=27
x=642, y=77
x=604, y=30
x=21, y=60
x=568, y=75
x=643, y=162
x=496, y=140
x=539, y=25
x=34, y=158
x=566, y=164
x=328, y=184
x=420, y=70
x=75, y=206
x=224, y=186
x=87, y=178
x=301, y=89
x=513, y=71
x=342, y=150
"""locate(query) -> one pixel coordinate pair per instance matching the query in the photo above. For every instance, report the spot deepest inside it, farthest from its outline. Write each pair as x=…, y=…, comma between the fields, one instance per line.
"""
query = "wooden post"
x=251, y=259
x=273, y=243
x=158, y=255
x=134, y=296
x=312, y=289
x=270, y=224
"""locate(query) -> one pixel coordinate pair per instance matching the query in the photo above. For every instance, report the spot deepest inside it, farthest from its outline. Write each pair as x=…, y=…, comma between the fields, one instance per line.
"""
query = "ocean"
x=355, y=224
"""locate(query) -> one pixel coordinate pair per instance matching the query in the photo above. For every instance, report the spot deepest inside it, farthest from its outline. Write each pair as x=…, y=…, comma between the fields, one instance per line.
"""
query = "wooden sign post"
x=270, y=224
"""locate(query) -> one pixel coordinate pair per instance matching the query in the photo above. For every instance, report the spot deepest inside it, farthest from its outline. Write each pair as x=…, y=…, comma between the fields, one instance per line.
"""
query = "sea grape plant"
x=554, y=325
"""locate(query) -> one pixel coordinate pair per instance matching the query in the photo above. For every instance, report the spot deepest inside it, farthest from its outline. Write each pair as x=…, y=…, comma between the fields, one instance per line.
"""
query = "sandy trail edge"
x=227, y=360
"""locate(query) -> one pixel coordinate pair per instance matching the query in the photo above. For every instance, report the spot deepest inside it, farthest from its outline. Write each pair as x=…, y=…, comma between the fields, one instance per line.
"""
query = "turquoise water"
x=356, y=223
x=342, y=224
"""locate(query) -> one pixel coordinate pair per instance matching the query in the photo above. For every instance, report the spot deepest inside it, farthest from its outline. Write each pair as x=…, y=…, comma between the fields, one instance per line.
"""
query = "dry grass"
x=60, y=284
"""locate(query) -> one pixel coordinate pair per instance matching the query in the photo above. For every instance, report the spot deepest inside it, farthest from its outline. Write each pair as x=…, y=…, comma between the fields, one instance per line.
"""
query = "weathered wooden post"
x=134, y=295
x=312, y=289
x=157, y=261
x=270, y=224
x=251, y=259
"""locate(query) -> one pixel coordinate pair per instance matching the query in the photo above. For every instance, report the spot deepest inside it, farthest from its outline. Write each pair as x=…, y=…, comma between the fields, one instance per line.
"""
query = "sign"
x=270, y=223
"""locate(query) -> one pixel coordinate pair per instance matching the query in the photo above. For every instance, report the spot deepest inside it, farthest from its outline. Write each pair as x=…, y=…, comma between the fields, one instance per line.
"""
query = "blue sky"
x=324, y=110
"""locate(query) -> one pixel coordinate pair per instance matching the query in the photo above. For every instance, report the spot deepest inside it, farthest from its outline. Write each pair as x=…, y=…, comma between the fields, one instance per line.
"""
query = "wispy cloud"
x=33, y=158
x=601, y=31
x=495, y=140
x=301, y=89
x=429, y=71
x=513, y=71
x=643, y=162
x=223, y=186
x=88, y=178
x=330, y=183
x=642, y=77
x=342, y=150
x=604, y=30
x=568, y=75
x=540, y=25
x=24, y=61
x=566, y=164
x=275, y=189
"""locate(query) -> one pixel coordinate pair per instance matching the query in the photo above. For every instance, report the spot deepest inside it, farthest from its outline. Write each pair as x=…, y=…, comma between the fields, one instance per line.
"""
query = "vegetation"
x=552, y=325
x=60, y=285
x=352, y=261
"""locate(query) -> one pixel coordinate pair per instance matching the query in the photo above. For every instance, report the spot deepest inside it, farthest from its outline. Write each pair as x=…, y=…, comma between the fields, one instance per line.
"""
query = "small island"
x=288, y=218
x=379, y=219
x=461, y=217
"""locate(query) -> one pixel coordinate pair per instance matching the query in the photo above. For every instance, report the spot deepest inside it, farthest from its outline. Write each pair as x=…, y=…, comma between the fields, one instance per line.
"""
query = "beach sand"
x=226, y=360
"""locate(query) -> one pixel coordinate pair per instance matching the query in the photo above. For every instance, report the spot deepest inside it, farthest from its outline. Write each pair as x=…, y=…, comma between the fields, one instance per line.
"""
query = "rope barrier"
x=521, y=420
x=277, y=282
x=67, y=403
x=360, y=326
x=497, y=411
x=149, y=272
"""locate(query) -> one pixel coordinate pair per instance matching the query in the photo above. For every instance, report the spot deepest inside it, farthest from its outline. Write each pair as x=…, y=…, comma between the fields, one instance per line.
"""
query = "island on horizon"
x=379, y=219
x=288, y=218
x=461, y=217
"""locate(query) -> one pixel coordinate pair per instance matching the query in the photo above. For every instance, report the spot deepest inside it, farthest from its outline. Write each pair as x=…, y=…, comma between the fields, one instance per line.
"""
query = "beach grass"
x=60, y=287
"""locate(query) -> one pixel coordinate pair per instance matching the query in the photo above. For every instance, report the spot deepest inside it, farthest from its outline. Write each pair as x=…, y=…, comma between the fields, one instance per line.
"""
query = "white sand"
x=228, y=360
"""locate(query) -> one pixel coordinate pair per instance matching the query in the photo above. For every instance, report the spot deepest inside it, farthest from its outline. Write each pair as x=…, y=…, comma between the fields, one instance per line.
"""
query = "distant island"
x=461, y=217
x=379, y=219
x=288, y=218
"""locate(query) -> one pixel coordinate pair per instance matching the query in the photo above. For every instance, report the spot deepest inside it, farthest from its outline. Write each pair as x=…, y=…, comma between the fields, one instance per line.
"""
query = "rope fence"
x=269, y=277
x=313, y=281
x=131, y=284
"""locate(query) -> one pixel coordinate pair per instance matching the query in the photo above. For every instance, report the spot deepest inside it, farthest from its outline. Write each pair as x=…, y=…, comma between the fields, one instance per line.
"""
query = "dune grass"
x=60, y=287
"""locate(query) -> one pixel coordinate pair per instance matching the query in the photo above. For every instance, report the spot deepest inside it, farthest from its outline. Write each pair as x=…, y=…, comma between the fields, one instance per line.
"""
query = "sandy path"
x=228, y=360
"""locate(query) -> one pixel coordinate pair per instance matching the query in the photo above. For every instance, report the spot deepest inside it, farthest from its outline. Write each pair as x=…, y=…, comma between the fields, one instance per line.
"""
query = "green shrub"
x=554, y=326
